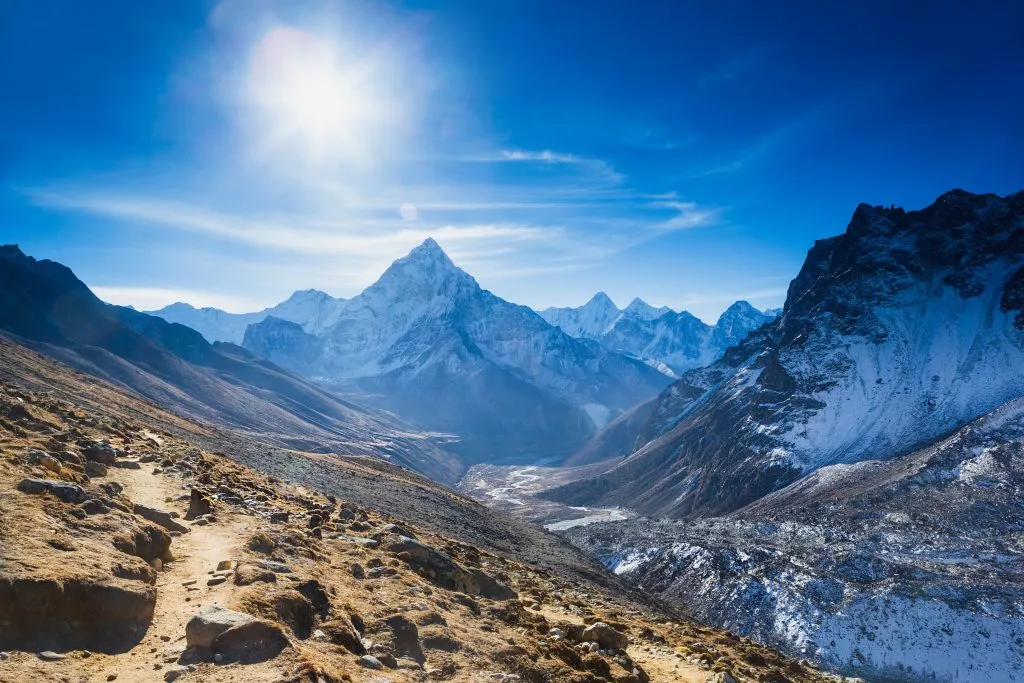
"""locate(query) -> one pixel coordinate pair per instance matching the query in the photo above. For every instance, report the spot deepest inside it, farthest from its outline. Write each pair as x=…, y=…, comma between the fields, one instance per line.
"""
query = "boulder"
x=126, y=465
x=342, y=632
x=65, y=491
x=249, y=643
x=605, y=636
x=370, y=662
x=101, y=452
x=95, y=469
x=43, y=459
x=146, y=541
x=199, y=504
x=211, y=621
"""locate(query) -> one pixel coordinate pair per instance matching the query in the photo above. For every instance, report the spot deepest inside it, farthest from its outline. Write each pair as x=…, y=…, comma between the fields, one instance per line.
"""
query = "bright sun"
x=308, y=96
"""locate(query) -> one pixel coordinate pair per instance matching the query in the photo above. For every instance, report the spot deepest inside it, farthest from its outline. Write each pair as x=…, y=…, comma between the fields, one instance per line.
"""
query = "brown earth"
x=429, y=584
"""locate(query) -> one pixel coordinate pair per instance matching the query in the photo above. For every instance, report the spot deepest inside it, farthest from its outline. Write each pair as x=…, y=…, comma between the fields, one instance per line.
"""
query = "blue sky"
x=228, y=153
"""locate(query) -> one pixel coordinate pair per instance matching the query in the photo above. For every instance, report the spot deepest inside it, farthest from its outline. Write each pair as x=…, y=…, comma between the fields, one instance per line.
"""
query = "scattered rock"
x=175, y=672
x=357, y=571
x=370, y=662
x=216, y=581
x=448, y=573
x=226, y=564
x=210, y=622
x=65, y=491
x=50, y=656
x=721, y=677
x=146, y=541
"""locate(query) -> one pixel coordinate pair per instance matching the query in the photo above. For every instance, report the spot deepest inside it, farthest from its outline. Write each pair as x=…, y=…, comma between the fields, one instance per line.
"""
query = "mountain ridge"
x=670, y=341
x=43, y=305
x=869, y=358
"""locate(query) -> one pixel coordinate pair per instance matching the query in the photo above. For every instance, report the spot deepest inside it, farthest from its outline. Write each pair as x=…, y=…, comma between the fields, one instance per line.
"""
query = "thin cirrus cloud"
x=507, y=219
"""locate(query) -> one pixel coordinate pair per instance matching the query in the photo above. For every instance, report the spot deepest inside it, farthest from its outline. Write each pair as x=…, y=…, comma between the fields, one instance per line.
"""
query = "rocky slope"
x=672, y=342
x=893, y=334
x=314, y=311
x=429, y=343
x=44, y=305
x=130, y=551
x=909, y=569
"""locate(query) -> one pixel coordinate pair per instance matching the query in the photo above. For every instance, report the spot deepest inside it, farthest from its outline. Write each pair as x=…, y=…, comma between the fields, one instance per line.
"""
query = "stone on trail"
x=256, y=641
x=161, y=517
x=210, y=622
x=605, y=636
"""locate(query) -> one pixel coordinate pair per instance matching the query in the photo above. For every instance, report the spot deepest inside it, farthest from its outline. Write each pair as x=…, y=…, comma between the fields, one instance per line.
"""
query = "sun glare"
x=311, y=97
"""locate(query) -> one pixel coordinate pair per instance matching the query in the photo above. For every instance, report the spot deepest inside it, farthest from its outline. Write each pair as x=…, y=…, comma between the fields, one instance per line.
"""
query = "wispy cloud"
x=783, y=139
x=738, y=66
x=294, y=234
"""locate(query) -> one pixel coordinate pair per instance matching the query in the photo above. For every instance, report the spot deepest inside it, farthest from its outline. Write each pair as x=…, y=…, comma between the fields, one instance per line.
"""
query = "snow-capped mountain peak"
x=638, y=308
x=588, y=321
x=421, y=271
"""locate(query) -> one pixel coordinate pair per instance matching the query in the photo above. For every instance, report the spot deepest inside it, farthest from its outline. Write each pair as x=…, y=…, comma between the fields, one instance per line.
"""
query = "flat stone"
x=126, y=465
x=210, y=622
x=276, y=567
x=216, y=581
x=255, y=641
x=50, y=656
x=175, y=672
x=63, y=490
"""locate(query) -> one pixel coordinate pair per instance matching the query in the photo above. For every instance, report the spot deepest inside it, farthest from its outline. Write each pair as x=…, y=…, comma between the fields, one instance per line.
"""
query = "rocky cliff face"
x=901, y=570
x=893, y=334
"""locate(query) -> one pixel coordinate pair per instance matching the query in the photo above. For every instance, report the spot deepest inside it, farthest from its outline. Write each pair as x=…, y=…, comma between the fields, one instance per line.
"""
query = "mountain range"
x=45, y=307
x=903, y=328
x=427, y=342
x=845, y=482
x=670, y=341
x=314, y=310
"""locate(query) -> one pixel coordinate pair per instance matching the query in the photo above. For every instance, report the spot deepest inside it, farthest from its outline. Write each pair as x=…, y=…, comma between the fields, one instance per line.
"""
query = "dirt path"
x=196, y=554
